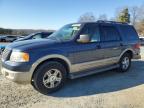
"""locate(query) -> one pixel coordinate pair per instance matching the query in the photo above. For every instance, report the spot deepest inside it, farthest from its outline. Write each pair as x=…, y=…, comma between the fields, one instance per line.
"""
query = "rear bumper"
x=18, y=77
x=137, y=56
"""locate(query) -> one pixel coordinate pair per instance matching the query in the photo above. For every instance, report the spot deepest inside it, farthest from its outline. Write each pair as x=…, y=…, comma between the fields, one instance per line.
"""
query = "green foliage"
x=124, y=16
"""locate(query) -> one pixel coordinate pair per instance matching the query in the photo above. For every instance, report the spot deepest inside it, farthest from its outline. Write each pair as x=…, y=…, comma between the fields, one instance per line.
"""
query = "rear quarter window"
x=129, y=33
x=109, y=33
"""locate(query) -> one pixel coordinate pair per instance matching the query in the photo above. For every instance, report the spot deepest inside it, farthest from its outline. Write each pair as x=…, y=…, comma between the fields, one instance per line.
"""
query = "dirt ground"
x=106, y=90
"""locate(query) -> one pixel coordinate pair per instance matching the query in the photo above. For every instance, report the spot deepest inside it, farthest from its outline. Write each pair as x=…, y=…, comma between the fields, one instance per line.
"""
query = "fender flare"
x=129, y=49
x=39, y=61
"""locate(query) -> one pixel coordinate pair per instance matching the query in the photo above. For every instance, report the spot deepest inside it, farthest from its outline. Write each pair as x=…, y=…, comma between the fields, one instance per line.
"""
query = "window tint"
x=109, y=33
x=92, y=31
x=45, y=35
x=37, y=36
x=129, y=32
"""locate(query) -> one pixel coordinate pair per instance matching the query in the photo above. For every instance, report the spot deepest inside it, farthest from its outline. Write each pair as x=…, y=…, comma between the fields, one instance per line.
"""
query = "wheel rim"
x=125, y=63
x=52, y=78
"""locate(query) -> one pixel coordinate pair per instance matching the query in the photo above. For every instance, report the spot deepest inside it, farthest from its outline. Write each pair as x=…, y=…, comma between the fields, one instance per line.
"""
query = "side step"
x=90, y=72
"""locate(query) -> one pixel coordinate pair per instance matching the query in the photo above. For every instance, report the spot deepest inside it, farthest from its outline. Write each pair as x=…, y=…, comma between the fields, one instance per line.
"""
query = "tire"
x=125, y=63
x=2, y=40
x=49, y=77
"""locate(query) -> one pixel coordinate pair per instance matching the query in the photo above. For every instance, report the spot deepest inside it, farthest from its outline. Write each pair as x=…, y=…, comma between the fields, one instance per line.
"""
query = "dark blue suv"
x=76, y=50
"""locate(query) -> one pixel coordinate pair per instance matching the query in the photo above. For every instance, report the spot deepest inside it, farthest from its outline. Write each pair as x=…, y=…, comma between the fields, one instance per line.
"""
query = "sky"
x=52, y=14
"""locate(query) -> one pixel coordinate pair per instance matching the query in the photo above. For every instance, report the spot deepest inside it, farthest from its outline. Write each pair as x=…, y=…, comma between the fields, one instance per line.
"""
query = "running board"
x=86, y=73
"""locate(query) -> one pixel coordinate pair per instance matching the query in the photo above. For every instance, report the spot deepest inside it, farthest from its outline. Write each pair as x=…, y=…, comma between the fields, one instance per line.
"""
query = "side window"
x=96, y=35
x=37, y=36
x=109, y=33
x=92, y=31
x=129, y=32
x=45, y=35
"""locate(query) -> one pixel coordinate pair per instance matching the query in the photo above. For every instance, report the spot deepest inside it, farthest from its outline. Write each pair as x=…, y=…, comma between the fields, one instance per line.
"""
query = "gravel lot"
x=105, y=90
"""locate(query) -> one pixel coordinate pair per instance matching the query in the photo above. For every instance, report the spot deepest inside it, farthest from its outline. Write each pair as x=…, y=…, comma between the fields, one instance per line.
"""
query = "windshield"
x=66, y=33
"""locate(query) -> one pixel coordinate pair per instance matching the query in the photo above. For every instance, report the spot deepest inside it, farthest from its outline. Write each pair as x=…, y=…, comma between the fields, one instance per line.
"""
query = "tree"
x=87, y=17
x=124, y=16
x=136, y=14
x=103, y=17
x=5, y=31
x=137, y=18
x=140, y=27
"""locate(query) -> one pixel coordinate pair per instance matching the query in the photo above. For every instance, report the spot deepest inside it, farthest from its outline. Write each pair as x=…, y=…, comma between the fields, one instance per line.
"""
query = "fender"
x=49, y=57
x=129, y=49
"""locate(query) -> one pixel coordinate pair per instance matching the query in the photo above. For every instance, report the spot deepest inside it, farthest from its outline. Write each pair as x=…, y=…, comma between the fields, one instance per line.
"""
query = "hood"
x=32, y=44
x=24, y=38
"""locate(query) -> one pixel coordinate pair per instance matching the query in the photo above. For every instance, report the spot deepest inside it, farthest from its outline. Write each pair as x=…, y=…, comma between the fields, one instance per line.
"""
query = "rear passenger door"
x=110, y=43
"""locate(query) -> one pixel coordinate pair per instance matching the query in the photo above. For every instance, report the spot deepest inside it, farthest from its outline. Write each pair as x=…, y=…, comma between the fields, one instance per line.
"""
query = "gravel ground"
x=105, y=90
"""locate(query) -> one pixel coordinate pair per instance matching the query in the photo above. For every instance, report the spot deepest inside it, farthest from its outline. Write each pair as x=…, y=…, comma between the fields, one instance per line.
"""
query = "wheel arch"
x=129, y=51
x=58, y=58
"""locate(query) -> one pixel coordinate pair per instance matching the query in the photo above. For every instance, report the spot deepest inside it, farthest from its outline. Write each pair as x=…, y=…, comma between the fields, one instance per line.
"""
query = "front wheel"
x=49, y=77
x=125, y=63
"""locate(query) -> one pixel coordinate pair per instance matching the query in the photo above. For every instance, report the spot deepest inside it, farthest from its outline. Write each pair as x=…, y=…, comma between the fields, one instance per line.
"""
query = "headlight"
x=17, y=56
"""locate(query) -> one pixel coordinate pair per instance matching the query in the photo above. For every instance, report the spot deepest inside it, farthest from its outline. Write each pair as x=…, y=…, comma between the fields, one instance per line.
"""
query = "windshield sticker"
x=76, y=25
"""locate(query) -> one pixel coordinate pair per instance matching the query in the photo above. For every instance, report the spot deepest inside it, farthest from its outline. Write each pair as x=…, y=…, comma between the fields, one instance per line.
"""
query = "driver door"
x=87, y=55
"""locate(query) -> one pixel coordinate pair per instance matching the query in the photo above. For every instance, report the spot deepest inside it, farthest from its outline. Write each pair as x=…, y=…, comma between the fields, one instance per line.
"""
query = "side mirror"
x=84, y=39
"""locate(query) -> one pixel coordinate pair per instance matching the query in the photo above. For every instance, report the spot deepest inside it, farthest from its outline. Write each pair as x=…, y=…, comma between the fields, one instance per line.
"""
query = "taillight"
x=137, y=46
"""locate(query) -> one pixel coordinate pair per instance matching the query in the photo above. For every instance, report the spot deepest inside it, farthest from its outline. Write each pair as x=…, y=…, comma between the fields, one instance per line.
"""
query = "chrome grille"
x=6, y=54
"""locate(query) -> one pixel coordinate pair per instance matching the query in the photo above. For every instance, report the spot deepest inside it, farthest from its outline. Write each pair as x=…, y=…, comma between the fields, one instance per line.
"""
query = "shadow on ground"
x=109, y=81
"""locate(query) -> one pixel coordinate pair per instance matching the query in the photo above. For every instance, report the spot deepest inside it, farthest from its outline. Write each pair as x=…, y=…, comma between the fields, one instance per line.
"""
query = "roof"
x=103, y=22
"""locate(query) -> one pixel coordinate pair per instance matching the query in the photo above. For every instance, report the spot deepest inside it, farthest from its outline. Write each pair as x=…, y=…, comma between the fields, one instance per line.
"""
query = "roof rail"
x=113, y=22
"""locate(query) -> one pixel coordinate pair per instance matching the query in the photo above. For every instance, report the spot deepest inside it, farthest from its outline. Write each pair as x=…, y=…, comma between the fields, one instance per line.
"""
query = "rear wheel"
x=125, y=63
x=49, y=77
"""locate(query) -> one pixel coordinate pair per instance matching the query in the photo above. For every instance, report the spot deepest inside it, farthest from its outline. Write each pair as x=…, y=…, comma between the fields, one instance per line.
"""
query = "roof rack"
x=113, y=22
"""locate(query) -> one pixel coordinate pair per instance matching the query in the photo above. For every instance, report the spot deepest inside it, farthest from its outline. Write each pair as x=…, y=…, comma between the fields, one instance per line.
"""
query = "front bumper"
x=2, y=49
x=18, y=77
